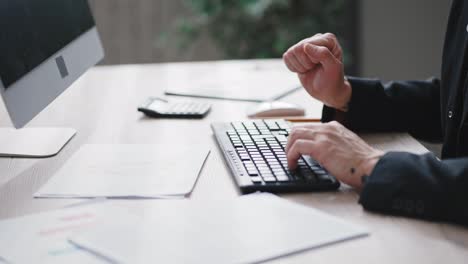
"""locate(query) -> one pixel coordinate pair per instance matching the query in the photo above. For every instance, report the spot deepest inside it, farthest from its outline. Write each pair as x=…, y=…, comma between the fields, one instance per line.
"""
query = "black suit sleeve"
x=411, y=106
x=403, y=183
x=418, y=186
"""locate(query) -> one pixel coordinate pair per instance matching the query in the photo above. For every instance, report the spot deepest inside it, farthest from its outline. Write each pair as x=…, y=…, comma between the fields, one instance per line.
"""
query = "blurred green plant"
x=245, y=29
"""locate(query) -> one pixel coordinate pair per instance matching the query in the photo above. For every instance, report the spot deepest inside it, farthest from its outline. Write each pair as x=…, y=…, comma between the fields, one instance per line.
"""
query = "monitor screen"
x=32, y=31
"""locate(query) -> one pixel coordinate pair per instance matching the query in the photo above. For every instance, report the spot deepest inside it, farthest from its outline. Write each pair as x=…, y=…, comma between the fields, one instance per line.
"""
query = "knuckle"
x=321, y=51
x=294, y=147
x=301, y=56
x=327, y=135
x=335, y=126
x=297, y=48
x=325, y=143
x=328, y=126
x=328, y=132
x=307, y=40
x=303, y=41
x=311, y=133
x=299, y=144
x=298, y=132
x=293, y=131
x=334, y=123
x=330, y=35
x=293, y=135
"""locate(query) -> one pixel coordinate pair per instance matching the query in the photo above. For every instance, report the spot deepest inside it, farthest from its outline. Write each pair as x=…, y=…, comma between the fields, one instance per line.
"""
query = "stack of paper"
x=127, y=171
x=252, y=228
x=43, y=238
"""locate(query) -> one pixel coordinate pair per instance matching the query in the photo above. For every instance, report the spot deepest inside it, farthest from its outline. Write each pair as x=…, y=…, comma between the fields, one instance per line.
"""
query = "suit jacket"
x=437, y=110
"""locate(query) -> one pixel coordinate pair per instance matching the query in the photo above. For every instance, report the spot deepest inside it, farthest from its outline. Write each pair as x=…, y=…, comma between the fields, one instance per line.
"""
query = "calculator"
x=161, y=108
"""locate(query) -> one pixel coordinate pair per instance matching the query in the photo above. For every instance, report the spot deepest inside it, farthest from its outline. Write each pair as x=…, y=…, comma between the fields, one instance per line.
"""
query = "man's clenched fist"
x=318, y=61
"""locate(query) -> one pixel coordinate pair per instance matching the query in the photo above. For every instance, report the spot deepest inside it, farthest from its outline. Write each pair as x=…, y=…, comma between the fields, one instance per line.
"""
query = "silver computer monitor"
x=45, y=45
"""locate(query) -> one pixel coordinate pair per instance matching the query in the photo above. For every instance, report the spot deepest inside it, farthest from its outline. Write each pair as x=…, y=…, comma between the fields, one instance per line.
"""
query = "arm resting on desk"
x=412, y=106
x=418, y=186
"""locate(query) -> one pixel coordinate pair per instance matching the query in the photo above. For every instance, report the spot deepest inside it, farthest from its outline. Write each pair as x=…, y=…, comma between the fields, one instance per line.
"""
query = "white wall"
x=402, y=39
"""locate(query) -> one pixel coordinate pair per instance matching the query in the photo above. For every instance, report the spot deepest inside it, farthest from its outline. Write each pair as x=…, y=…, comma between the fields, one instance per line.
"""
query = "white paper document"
x=236, y=81
x=128, y=171
x=43, y=238
x=249, y=229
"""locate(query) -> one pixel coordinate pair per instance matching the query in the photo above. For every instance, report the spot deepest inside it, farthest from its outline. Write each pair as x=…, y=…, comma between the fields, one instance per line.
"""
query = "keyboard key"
x=310, y=177
x=276, y=167
x=267, y=175
x=283, y=125
x=264, y=168
x=320, y=172
x=282, y=178
x=269, y=179
x=277, y=171
x=249, y=164
x=253, y=173
x=256, y=179
x=324, y=178
x=245, y=158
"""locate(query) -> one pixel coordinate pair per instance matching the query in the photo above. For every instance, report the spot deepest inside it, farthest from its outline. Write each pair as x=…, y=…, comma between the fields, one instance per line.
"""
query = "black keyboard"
x=254, y=151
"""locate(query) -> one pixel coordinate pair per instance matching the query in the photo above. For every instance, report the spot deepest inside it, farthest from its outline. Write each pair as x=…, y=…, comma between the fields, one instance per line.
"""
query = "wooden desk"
x=102, y=107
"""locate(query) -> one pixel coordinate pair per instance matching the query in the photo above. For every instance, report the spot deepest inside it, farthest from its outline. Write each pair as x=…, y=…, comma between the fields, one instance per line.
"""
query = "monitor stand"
x=33, y=142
